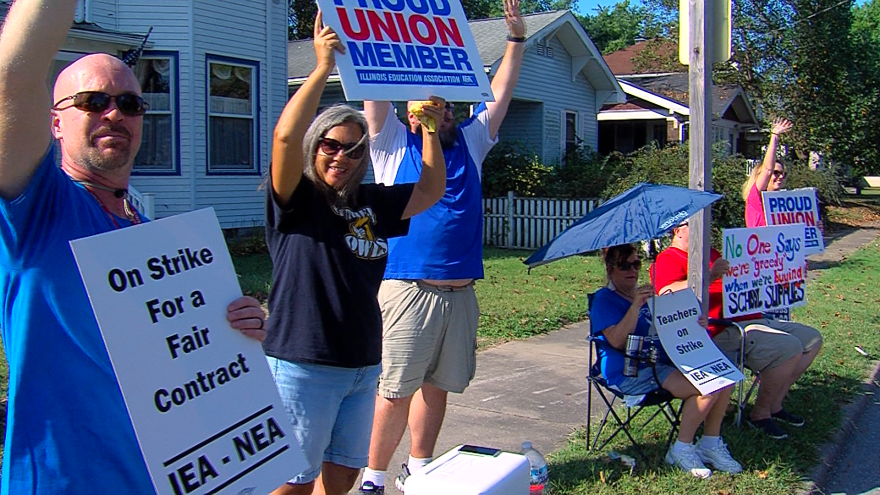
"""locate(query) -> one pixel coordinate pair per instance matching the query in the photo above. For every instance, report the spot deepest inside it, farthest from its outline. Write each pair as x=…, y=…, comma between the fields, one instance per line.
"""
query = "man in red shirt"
x=780, y=350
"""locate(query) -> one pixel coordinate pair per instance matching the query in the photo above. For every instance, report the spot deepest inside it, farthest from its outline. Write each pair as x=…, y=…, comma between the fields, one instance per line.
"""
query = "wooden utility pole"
x=700, y=139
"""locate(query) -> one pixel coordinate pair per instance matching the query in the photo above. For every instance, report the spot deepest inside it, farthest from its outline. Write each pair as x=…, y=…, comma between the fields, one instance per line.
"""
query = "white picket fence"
x=529, y=223
x=143, y=202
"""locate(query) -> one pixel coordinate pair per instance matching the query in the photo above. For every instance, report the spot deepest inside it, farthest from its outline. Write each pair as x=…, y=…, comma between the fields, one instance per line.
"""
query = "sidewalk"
x=533, y=389
x=536, y=389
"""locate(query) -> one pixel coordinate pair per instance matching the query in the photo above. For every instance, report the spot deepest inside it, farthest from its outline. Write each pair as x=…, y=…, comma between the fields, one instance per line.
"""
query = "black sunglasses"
x=779, y=174
x=625, y=266
x=450, y=106
x=331, y=147
x=129, y=104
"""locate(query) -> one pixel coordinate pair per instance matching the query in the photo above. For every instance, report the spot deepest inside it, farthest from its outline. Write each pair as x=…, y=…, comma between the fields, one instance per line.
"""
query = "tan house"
x=656, y=110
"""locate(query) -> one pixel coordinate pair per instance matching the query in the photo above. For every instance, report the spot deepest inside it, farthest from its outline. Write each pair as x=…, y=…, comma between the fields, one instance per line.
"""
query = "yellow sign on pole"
x=721, y=26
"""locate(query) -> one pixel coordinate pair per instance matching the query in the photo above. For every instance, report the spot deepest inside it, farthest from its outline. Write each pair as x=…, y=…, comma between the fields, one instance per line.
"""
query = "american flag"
x=130, y=58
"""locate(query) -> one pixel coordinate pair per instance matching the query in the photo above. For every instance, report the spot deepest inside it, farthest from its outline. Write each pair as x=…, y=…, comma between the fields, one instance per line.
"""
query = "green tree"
x=866, y=81
x=301, y=19
x=617, y=27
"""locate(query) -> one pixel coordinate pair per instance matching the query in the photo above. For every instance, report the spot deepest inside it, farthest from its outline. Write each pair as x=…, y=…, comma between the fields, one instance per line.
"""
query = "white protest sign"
x=797, y=206
x=406, y=50
x=688, y=344
x=200, y=395
x=767, y=269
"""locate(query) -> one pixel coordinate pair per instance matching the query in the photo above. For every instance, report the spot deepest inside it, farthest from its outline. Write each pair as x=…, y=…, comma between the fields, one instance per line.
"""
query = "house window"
x=232, y=116
x=571, y=132
x=157, y=74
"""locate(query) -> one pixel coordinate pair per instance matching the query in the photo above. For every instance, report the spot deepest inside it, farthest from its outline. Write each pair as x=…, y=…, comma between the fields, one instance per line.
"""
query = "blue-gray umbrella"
x=644, y=212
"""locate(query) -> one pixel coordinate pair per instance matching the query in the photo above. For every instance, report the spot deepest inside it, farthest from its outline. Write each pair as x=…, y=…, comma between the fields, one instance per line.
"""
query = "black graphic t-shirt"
x=328, y=264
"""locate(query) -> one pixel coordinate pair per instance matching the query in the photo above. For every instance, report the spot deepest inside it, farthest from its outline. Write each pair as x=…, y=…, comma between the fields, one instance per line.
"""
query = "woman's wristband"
x=516, y=39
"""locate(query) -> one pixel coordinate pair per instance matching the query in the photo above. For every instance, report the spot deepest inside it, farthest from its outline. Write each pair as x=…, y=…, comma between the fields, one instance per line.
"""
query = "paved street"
x=857, y=471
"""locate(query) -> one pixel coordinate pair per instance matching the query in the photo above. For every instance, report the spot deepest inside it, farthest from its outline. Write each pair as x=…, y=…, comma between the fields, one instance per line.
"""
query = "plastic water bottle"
x=538, y=466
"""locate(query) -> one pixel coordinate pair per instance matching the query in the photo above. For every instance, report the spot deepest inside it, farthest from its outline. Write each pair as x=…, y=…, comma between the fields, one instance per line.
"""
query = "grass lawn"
x=842, y=304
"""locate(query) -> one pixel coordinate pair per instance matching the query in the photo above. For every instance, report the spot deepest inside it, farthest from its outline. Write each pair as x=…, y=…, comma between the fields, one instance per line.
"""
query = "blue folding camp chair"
x=634, y=405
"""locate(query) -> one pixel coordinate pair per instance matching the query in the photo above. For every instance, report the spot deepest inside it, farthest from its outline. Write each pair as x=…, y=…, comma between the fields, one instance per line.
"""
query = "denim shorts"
x=331, y=410
x=644, y=383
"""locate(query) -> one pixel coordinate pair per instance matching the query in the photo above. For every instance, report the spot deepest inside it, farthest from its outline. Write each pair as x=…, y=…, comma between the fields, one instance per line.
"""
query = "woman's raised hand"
x=781, y=126
x=326, y=42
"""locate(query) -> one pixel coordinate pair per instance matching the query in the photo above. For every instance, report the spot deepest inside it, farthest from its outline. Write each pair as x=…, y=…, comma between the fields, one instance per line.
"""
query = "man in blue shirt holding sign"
x=68, y=429
x=429, y=309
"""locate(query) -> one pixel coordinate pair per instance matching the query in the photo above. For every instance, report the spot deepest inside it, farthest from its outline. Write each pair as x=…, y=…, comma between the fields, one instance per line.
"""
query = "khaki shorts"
x=769, y=343
x=429, y=336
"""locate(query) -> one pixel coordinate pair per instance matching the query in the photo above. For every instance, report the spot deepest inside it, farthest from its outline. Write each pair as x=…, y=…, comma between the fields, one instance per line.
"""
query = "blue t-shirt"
x=445, y=242
x=67, y=427
x=607, y=309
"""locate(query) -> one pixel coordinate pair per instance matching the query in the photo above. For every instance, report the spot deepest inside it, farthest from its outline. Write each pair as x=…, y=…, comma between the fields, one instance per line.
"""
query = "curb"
x=831, y=450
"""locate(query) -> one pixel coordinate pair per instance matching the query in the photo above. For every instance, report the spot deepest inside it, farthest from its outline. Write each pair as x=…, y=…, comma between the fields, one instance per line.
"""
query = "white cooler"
x=472, y=473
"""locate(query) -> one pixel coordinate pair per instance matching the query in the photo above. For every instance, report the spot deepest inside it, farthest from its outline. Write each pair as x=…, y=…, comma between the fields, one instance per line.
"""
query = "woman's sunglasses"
x=626, y=266
x=779, y=174
x=331, y=147
x=129, y=104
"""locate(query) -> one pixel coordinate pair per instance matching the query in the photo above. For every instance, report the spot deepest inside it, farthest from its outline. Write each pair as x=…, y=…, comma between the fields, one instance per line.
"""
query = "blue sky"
x=589, y=6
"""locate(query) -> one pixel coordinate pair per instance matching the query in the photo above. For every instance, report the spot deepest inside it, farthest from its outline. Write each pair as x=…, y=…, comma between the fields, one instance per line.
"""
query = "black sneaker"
x=769, y=427
x=368, y=487
x=792, y=419
x=401, y=478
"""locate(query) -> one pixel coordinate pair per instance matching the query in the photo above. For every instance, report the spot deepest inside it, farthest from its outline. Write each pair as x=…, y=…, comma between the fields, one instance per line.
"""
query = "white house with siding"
x=213, y=72
x=563, y=84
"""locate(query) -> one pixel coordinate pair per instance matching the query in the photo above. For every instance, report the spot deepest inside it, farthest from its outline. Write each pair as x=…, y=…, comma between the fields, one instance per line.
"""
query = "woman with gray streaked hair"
x=327, y=235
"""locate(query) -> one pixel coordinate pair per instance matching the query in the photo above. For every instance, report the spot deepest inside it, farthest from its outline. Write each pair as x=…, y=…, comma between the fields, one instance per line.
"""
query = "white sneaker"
x=719, y=458
x=687, y=460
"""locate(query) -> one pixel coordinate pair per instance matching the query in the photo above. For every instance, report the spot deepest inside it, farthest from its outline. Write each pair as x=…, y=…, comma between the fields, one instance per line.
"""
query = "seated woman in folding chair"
x=619, y=310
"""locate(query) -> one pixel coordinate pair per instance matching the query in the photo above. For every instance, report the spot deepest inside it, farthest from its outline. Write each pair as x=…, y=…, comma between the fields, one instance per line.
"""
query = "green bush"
x=826, y=181
x=583, y=175
x=510, y=167
x=670, y=166
x=586, y=174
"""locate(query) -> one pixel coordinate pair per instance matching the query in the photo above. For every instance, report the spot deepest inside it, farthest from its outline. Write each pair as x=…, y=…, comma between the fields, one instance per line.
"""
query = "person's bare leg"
x=804, y=362
x=335, y=479
x=288, y=489
x=713, y=421
x=389, y=424
x=696, y=407
x=426, y=413
x=774, y=385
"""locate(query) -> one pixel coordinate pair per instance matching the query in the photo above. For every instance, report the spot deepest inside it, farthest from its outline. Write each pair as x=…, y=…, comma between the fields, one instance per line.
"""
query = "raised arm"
x=432, y=181
x=32, y=34
x=287, y=145
x=376, y=112
x=780, y=126
x=508, y=72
